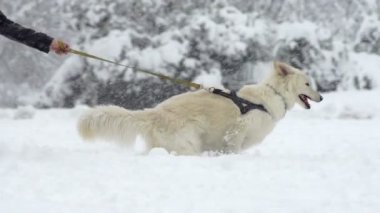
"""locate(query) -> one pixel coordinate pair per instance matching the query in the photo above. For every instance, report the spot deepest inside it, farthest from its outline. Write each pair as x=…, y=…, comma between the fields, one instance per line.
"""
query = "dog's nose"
x=321, y=98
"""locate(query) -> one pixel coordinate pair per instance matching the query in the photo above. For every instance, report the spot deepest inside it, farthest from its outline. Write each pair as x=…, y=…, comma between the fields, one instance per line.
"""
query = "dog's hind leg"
x=187, y=142
x=188, y=147
x=234, y=138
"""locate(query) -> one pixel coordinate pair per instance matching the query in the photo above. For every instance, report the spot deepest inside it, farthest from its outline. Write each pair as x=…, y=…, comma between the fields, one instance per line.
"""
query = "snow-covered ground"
x=323, y=160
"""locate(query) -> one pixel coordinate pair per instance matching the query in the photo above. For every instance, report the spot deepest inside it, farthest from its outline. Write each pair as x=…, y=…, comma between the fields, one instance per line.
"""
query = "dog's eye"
x=307, y=84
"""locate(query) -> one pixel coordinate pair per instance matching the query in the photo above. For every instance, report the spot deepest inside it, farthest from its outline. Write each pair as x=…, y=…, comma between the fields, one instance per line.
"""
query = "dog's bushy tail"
x=111, y=122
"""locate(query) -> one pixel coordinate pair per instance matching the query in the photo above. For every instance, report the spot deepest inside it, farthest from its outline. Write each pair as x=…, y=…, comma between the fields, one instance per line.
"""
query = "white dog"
x=194, y=122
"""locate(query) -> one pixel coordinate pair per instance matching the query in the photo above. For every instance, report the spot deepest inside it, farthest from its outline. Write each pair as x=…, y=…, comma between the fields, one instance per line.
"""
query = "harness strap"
x=243, y=104
x=278, y=94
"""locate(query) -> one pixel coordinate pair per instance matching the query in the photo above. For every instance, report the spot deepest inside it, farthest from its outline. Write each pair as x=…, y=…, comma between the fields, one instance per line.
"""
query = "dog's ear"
x=282, y=69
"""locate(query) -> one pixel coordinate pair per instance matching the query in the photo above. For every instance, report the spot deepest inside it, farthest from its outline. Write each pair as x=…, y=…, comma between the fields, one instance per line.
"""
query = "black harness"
x=244, y=105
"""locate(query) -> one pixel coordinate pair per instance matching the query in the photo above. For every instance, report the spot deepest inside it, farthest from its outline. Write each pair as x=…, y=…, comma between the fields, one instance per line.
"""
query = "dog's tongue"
x=307, y=102
x=305, y=99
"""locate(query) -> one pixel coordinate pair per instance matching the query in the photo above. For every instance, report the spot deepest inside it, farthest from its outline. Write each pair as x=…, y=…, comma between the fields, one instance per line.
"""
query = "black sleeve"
x=24, y=35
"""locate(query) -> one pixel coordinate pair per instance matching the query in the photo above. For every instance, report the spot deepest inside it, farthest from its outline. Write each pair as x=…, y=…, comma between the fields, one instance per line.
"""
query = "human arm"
x=30, y=37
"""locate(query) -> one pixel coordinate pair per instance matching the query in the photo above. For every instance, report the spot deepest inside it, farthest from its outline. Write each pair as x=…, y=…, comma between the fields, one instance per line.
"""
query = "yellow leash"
x=244, y=105
x=159, y=75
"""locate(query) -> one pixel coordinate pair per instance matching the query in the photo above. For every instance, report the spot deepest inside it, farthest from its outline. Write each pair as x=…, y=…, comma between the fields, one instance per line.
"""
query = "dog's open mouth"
x=305, y=100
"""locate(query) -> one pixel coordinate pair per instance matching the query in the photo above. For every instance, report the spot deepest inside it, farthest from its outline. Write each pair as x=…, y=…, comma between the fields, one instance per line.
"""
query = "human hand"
x=59, y=47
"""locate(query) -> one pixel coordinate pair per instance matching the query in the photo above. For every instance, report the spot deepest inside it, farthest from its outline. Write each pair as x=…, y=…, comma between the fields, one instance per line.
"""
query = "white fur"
x=194, y=122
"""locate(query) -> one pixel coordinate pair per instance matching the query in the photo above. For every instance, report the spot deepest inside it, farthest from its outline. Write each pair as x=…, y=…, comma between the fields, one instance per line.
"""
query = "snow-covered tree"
x=188, y=39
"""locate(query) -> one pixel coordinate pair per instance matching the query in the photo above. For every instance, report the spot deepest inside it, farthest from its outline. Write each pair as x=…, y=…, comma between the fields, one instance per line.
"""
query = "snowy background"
x=326, y=159
x=234, y=41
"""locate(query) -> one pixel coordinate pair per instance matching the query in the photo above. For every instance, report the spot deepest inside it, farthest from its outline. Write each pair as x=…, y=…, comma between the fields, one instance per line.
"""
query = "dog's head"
x=296, y=85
